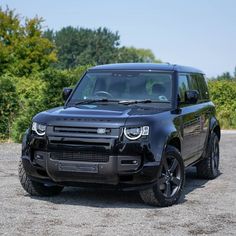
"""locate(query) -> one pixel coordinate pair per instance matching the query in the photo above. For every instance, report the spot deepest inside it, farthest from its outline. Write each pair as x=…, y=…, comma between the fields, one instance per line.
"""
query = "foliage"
x=23, y=50
x=131, y=54
x=31, y=101
x=56, y=80
x=41, y=92
x=223, y=94
x=8, y=105
x=226, y=76
x=81, y=46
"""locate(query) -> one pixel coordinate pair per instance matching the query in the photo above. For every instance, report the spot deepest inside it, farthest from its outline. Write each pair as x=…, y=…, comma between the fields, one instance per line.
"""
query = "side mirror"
x=191, y=96
x=66, y=93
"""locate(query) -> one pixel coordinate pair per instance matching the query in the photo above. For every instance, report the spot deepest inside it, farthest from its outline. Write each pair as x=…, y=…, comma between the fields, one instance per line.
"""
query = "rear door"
x=190, y=115
x=204, y=107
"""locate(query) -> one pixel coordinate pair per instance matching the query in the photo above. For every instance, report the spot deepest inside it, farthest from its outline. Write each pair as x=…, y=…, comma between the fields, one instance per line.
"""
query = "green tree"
x=81, y=46
x=23, y=50
x=225, y=76
x=131, y=54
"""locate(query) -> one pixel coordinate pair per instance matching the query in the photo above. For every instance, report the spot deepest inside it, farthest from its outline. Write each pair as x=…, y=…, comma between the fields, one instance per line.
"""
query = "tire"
x=35, y=188
x=208, y=168
x=170, y=180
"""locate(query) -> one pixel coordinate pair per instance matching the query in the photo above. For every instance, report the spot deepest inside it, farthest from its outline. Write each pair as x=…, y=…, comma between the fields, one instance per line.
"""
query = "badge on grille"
x=101, y=130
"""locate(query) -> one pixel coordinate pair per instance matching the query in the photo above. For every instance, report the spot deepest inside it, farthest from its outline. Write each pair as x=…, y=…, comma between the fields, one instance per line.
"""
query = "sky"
x=198, y=33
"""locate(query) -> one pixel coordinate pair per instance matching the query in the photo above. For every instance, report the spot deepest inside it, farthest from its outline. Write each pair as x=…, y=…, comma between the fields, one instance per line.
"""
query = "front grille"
x=78, y=130
x=86, y=156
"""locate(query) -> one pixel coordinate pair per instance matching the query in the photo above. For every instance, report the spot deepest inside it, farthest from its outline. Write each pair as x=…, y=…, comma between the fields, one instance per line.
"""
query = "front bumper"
x=81, y=173
x=109, y=162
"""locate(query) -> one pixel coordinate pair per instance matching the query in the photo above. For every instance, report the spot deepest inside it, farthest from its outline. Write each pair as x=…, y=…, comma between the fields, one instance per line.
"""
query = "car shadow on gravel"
x=103, y=198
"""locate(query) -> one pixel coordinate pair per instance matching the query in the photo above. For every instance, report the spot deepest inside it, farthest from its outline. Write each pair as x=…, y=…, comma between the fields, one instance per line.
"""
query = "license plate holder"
x=78, y=167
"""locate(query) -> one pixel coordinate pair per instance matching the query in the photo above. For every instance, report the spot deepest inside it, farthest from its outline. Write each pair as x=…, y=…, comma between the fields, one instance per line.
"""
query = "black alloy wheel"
x=170, y=180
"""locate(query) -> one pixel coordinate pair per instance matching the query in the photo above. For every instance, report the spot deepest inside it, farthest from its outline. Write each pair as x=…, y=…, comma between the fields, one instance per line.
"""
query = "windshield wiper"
x=88, y=101
x=128, y=102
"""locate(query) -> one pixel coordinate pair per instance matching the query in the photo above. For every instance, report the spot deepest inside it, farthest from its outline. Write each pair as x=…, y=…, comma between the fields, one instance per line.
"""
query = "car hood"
x=114, y=115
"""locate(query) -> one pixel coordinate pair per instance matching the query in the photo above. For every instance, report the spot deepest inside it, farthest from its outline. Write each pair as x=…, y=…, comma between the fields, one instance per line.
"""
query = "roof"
x=146, y=67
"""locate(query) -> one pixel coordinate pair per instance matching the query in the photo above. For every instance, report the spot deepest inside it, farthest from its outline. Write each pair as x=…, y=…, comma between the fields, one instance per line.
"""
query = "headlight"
x=39, y=129
x=136, y=133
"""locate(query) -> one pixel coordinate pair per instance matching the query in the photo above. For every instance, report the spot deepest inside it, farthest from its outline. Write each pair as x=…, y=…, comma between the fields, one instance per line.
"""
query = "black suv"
x=126, y=126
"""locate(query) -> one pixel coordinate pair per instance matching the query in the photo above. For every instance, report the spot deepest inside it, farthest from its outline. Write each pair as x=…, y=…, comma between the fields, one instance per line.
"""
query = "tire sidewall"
x=213, y=138
x=168, y=201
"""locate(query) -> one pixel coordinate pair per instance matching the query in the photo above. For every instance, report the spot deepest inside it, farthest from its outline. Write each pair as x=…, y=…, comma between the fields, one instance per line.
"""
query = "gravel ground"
x=207, y=207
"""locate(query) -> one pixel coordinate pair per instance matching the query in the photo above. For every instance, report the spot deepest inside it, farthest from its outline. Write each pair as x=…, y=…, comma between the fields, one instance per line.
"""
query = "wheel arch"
x=175, y=142
x=215, y=127
x=168, y=138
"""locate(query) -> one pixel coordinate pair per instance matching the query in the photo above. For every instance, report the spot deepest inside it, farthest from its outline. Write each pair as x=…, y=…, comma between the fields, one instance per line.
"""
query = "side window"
x=203, y=87
x=193, y=85
x=183, y=86
x=198, y=83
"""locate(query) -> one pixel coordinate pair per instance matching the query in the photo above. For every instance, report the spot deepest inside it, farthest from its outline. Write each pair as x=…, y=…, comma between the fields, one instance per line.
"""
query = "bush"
x=8, y=105
x=56, y=80
x=223, y=94
x=41, y=92
x=31, y=101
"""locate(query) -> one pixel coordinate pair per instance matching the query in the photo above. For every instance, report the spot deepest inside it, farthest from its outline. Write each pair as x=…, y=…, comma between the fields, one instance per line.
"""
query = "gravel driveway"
x=208, y=207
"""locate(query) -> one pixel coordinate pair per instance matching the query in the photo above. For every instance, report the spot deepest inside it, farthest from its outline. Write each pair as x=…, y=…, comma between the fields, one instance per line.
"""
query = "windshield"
x=124, y=86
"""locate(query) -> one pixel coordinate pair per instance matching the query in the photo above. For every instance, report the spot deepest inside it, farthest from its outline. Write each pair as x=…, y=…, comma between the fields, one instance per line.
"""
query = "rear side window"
x=198, y=83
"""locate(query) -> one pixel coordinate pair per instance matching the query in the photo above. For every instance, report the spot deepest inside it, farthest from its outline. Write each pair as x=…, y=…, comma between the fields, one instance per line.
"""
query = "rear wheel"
x=35, y=188
x=170, y=181
x=208, y=168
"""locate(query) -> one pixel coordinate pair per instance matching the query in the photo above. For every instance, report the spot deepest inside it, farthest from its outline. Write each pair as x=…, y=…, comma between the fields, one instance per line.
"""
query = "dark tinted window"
x=198, y=83
x=183, y=86
x=193, y=85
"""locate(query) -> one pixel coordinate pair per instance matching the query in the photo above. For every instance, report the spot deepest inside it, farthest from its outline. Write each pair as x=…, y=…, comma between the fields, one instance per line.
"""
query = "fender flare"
x=215, y=125
x=162, y=143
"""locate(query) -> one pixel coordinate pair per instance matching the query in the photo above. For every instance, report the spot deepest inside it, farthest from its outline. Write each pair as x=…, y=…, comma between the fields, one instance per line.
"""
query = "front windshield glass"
x=124, y=86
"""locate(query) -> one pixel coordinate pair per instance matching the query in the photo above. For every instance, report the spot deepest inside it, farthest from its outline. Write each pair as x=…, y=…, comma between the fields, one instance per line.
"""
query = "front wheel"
x=35, y=188
x=170, y=180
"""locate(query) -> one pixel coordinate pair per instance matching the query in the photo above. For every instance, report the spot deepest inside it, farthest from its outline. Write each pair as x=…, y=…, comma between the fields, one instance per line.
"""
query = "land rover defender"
x=134, y=126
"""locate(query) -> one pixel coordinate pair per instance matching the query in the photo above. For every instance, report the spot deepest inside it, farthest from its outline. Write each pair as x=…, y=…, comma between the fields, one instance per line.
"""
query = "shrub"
x=56, y=80
x=223, y=94
x=41, y=92
x=8, y=105
x=31, y=101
